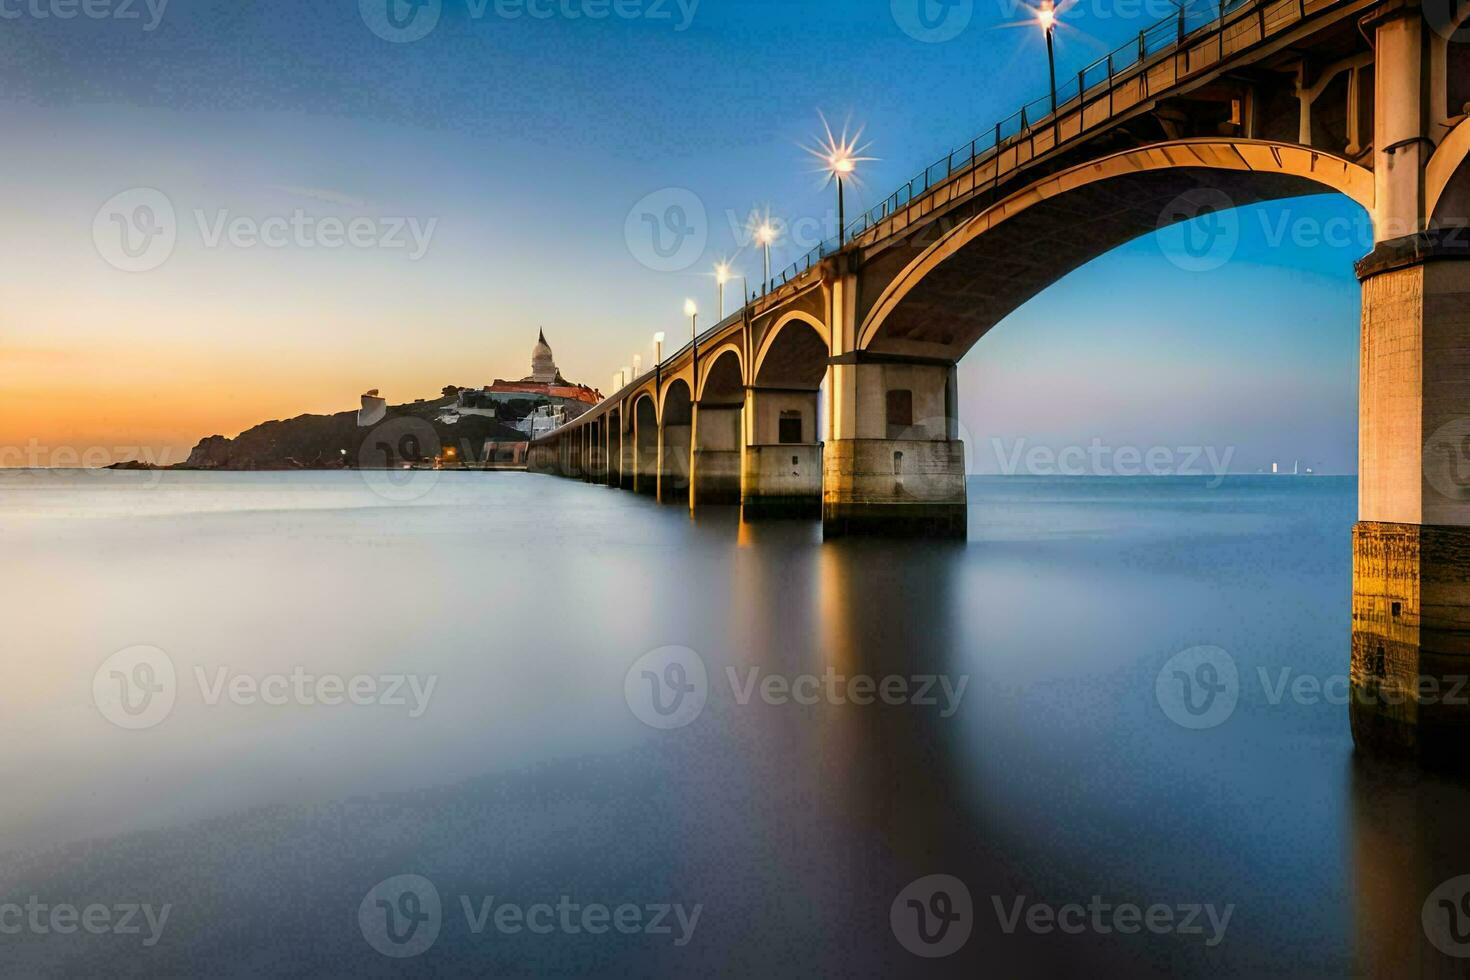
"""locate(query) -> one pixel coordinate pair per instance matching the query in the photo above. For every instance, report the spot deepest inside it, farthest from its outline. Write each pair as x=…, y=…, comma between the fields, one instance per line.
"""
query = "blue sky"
x=527, y=141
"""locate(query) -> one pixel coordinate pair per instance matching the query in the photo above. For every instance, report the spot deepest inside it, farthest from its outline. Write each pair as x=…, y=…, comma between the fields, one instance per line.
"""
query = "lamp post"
x=722, y=276
x=692, y=312
x=658, y=364
x=765, y=235
x=840, y=166
x=637, y=366
x=1047, y=18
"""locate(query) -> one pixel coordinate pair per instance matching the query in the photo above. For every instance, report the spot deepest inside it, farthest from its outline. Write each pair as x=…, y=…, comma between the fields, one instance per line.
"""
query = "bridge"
x=1263, y=100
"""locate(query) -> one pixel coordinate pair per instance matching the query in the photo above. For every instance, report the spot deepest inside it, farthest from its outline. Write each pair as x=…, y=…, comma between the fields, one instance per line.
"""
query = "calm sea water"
x=538, y=609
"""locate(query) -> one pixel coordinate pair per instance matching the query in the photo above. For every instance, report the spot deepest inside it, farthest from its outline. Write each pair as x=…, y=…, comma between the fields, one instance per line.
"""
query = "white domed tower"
x=543, y=365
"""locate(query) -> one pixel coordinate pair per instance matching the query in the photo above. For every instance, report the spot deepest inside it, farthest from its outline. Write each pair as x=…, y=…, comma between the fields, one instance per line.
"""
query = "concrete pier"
x=781, y=468
x=716, y=465
x=896, y=487
x=1410, y=672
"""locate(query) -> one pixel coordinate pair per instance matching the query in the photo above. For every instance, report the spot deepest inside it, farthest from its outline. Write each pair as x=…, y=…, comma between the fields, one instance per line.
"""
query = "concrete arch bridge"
x=1267, y=99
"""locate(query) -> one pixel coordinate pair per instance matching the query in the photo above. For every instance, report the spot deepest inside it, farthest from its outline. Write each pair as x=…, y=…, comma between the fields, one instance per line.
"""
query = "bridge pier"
x=1410, y=668
x=781, y=466
x=715, y=474
x=895, y=464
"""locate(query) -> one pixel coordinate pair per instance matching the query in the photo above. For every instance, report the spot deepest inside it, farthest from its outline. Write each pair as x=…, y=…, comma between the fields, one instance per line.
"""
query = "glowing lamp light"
x=722, y=273
x=690, y=309
x=1046, y=16
x=765, y=234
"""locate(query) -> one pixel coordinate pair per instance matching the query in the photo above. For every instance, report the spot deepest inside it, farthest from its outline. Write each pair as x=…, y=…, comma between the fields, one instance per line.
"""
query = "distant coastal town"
x=466, y=427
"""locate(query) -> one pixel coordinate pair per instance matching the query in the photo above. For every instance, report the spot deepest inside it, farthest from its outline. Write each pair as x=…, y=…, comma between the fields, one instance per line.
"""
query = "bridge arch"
x=645, y=443
x=675, y=441
x=793, y=353
x=986, y=266
x=723, y=374
x=1447, y=177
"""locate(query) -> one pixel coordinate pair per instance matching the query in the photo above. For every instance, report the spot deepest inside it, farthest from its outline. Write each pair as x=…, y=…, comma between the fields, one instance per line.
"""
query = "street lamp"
x=841, y=167
x=692, y=312
x=658, y=348
x=765, y=235
x=637, y=367
x=722, y=276
x=839, y=157
x=1047, y=18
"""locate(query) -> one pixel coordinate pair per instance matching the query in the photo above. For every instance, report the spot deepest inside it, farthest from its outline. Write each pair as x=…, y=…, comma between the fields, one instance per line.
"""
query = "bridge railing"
x=1175, y=33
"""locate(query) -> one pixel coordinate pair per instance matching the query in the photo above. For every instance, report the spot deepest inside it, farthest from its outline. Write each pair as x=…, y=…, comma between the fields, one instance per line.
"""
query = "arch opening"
x=715, y=478
x=676, y=433
x=951, y=291
x=645, y=445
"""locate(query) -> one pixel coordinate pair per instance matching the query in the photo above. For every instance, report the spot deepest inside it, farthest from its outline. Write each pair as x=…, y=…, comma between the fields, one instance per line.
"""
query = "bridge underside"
x=956, y=302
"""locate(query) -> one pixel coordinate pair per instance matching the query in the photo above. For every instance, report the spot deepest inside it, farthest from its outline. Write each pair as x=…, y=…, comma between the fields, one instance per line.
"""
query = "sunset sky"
x=518, y=146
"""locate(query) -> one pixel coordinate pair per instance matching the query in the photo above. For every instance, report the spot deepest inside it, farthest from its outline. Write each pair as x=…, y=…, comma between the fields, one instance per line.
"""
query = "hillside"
x=317, y=442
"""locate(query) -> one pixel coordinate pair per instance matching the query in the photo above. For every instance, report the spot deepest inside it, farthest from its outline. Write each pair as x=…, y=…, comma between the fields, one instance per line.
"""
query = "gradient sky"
x=528, y=141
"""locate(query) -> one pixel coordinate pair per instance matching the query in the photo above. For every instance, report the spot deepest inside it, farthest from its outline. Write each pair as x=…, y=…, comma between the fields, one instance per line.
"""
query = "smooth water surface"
x=1055, y=775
